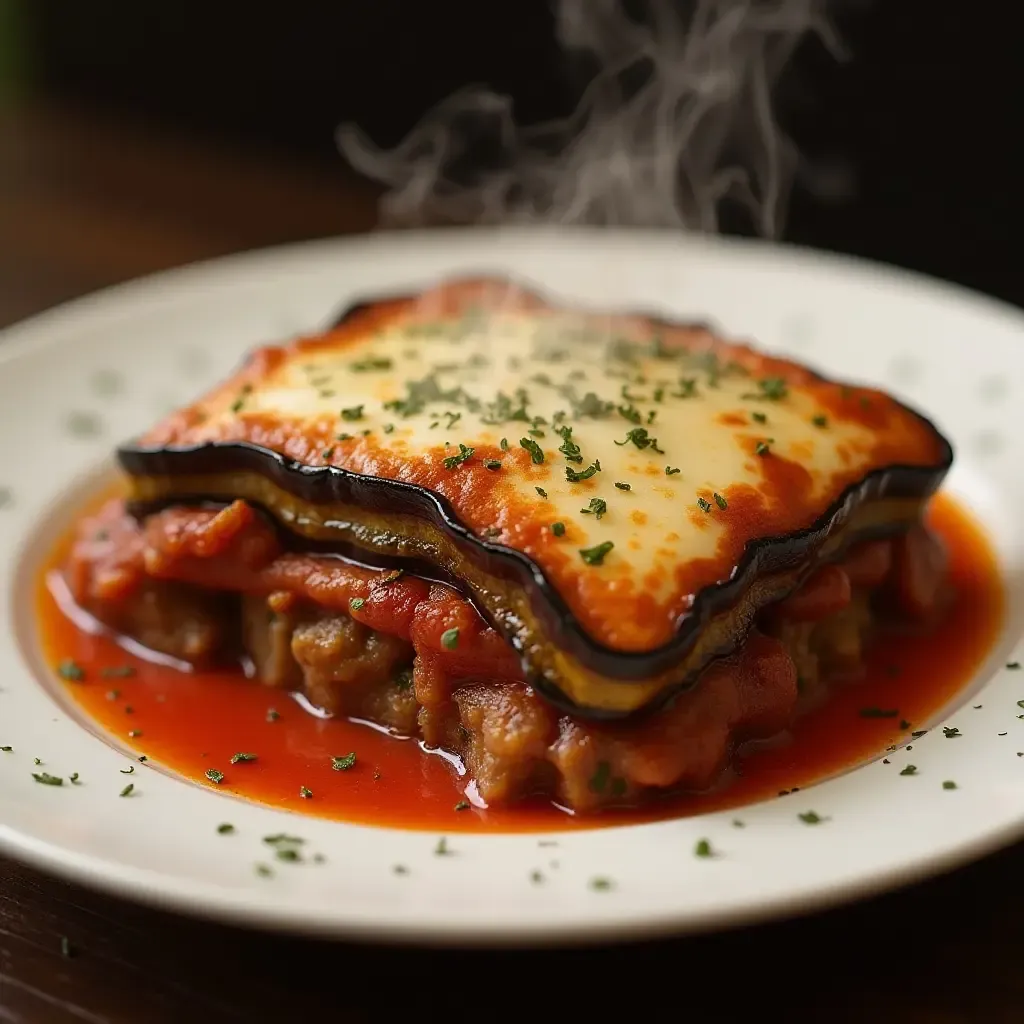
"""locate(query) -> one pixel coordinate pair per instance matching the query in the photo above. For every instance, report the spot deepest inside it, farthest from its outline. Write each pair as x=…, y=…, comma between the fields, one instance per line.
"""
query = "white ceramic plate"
x=957, y=356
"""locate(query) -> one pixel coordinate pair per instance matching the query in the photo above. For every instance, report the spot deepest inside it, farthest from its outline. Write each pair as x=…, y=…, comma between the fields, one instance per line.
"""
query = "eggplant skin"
x=349, y=492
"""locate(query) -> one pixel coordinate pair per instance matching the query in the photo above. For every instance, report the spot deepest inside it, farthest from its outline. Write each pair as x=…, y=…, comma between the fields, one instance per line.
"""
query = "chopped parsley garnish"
x=128, y=790
x=73, y=778
x=263, y=870
x=306, y=794
x=541, y=492
x=569, y=448
x=283, y=839
x=759, y=417
x=241, y=758
x=371, y=363
x=273, y=714
x=640, y=437
x=130, y=770
x=343, y=764
x=820, y=420
x=598, y=507
x=441, y=850
x=134, y=734
x=949, y=784
x=463, y=805
x=574, y=476
x=47, y=779
x=536, y=453
x=1013, y=665
x=117, y=672
x=504, y=444
x=352, y=414
x=356, y=603
x=595, y=555
x=388, y=428
x=704, y=504
x=492, y=464
x=225, y=829
x=327, y=453
x=558, y=529
x=911, y=769
x=215, y=776
x=761, y=448
x=589, y=405
x=720, y=501
x=71, y=670
x=811, y=818
x=702, y=849
x=623, y=487
x=630, y=412
x=601, y=884
x=950, y=732
x=6, y=749
x=450, y=638
x=455, y=460
x=669, y=471
x=736, y=823
x=770, y=389
x=874, y=712
x=687, y=388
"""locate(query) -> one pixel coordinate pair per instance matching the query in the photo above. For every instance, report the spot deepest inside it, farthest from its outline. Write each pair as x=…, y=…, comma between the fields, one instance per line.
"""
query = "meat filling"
x=203, y=585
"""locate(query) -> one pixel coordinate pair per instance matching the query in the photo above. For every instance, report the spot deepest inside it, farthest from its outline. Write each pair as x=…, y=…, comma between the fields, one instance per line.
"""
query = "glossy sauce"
x=193, y=722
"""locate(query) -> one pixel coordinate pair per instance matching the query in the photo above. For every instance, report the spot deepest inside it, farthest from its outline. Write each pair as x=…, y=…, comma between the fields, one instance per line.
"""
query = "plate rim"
x=158, y=889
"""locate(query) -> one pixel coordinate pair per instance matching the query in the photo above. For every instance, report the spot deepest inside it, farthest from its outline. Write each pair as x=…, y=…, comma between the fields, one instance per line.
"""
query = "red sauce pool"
x=194, y=722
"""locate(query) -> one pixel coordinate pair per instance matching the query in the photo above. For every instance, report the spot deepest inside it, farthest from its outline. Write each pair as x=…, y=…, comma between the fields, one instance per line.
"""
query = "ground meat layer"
x=204, y=586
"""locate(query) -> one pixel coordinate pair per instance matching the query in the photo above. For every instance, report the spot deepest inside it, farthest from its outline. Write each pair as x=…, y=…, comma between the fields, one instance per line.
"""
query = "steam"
x=676, y=121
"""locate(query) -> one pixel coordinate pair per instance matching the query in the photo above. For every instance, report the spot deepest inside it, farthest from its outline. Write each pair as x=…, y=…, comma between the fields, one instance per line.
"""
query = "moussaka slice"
x=511, y=528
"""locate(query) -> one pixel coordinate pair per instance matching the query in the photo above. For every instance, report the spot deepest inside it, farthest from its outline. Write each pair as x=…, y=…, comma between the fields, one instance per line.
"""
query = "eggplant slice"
x=619, y=495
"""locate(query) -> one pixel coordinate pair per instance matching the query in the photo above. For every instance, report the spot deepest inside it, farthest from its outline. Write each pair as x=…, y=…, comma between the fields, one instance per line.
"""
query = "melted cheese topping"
x=632, y=460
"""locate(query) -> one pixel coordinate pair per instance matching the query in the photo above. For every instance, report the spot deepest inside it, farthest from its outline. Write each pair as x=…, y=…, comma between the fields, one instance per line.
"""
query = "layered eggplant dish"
x=591, y=554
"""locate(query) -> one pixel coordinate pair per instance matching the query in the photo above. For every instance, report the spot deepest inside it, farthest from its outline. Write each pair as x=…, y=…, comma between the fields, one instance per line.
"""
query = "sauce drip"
x=194, y=722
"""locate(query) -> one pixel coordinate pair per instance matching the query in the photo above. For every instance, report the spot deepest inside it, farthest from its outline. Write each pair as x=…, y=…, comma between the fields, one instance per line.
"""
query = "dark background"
x=925, y=112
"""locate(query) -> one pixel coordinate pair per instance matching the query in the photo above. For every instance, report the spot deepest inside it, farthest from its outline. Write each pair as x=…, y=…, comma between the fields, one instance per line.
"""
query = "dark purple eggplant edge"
x=325, y=484
x=765, y=555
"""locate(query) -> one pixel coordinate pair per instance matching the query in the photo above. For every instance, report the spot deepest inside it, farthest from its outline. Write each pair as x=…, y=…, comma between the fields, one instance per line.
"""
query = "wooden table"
x=85, y=203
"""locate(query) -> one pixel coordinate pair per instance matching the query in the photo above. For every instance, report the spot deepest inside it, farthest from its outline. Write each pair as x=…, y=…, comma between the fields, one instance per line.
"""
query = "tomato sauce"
x=194, y=722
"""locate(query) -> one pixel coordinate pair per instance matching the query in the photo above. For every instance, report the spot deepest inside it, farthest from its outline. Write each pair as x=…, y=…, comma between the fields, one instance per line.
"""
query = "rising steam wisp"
x=677, y=118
